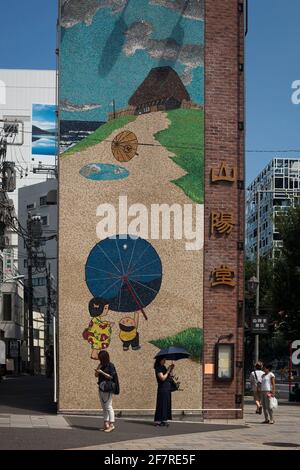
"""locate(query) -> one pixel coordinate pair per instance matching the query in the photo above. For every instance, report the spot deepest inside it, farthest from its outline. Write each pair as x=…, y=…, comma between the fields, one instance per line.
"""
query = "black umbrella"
x=173, y=353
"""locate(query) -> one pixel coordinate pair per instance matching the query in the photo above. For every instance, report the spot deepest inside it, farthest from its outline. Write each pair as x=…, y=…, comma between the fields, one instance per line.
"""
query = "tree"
x=267, y=351
x=286, y=278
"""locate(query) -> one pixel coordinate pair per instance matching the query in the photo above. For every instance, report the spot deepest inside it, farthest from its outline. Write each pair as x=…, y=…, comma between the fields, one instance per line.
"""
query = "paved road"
x=26, y=395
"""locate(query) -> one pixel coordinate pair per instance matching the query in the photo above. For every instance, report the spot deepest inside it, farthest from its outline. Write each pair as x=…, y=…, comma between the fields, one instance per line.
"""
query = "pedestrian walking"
x=255, y=382
x=268, y=391
x=108, y=385
x=163, y=412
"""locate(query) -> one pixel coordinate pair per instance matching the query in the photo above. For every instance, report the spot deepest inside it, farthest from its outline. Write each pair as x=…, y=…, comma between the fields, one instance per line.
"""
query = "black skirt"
x=163, y=410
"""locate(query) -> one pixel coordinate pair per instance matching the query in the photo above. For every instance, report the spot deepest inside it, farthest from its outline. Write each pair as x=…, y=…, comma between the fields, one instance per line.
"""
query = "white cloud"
x=192, y=9
x=43, y=107
x=138, y=37
x=83, y=11
x=77, y=108
x=44, y=124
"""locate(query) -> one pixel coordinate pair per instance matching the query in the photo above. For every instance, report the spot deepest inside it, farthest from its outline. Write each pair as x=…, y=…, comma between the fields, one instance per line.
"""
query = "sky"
x=44, y=117
x=272, y=65
x=28, y=40
x=28, y=34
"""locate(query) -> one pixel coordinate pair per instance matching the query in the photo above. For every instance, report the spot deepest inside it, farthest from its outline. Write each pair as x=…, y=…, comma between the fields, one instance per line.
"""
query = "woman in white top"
x=255, y=381
x=268, y=391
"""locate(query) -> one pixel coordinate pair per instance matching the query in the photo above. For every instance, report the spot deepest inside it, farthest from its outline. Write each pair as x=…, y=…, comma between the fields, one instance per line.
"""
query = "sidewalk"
x=284, y=434
x=28, y=421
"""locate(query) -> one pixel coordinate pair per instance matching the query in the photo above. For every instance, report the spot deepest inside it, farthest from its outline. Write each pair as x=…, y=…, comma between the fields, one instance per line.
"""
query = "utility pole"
x=30, y=295
x=48, y=313
x=256, y=346
x=34, y=230
x=114, y=108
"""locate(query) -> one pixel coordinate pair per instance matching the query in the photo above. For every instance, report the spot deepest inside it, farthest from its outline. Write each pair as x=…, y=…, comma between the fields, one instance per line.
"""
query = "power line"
x=273, y=151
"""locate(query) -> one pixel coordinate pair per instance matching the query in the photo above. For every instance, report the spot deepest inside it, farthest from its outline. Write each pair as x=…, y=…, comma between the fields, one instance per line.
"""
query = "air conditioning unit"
x=31, y=206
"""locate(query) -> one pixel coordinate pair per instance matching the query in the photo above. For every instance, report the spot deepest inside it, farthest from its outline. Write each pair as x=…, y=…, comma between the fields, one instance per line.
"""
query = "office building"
x=276, y=188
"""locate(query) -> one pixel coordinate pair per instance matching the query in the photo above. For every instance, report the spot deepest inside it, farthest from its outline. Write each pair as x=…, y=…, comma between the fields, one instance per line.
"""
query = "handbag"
x=174, y=384
x=273, y=403
x=110, y=386
x=107, y=386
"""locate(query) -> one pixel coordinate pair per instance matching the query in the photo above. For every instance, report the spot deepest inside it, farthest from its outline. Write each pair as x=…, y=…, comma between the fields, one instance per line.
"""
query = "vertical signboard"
x=44, y=129
x=131, y=196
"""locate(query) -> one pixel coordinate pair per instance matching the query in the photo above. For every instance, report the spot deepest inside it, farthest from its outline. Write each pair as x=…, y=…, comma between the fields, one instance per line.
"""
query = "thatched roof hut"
x=161, y=84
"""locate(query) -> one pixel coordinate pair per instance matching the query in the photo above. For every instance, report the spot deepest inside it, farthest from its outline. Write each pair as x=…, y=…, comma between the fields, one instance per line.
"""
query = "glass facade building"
x=276, y=188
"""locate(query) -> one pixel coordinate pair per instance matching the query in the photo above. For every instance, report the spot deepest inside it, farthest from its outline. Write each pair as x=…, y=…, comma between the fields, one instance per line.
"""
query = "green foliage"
x=265, y=285
x=190, y=339
x=286, y=284
x=185, y=138
x=99, y=135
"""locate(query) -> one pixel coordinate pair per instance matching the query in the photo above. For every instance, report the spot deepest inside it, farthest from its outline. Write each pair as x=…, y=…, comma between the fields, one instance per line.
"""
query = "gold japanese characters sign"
x=223, y=276
x=224, y=173
x=221, y=223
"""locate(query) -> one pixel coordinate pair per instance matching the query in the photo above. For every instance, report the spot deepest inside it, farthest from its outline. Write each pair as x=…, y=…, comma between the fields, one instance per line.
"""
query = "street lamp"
x=253, y=284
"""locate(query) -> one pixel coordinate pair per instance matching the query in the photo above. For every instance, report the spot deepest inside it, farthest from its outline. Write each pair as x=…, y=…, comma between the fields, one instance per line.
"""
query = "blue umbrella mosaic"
x=126, y=271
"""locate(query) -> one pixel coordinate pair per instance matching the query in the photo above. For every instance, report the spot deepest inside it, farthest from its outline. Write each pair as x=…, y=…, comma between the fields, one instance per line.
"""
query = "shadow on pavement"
x=27, y=395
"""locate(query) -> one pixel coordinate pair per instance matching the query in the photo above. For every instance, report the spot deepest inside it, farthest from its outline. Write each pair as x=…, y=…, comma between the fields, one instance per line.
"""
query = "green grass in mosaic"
x=186, y=131
x=190, y=339
x=102, y=133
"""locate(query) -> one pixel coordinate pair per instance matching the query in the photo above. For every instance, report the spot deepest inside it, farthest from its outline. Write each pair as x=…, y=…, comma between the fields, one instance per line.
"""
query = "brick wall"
x=224, y=141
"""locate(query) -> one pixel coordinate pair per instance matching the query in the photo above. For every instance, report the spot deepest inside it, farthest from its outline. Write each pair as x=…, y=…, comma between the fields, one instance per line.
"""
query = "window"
x=43, y=201
x=38, y=281
x=7, y=309
x=36, y=334
x=39, y=301
x=30, y=206
x=44, y=220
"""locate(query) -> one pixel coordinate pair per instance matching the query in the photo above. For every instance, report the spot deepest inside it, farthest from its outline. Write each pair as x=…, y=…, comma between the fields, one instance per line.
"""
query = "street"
x=28, y=421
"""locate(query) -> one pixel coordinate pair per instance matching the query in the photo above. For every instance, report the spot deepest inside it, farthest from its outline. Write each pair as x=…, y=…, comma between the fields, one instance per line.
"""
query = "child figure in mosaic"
x=129, y=332
x=98, y=333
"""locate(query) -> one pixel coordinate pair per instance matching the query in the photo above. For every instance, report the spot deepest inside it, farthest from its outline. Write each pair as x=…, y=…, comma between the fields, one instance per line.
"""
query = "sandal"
x=110, y=429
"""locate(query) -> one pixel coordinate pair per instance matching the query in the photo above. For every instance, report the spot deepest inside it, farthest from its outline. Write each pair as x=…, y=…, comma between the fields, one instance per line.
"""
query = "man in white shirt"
x=268, y=391
x=255, y=381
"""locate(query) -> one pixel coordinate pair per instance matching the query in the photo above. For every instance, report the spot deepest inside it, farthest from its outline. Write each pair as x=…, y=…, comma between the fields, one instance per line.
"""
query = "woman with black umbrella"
x=163, y=411
x=166, y=383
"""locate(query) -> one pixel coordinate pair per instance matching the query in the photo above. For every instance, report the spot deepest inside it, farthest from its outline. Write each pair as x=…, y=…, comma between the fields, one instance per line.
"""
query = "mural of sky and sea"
x=109, y=46
x=43, y=129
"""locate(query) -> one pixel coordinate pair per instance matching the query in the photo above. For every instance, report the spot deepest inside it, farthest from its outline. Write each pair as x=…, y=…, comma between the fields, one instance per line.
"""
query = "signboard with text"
x=259, y=324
